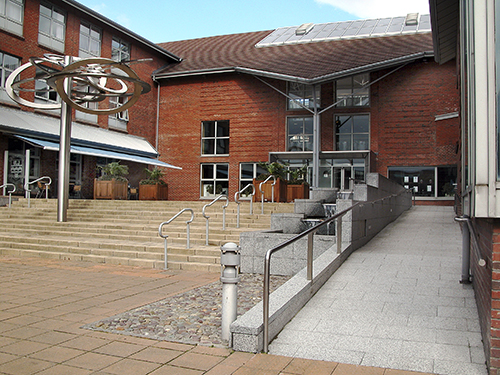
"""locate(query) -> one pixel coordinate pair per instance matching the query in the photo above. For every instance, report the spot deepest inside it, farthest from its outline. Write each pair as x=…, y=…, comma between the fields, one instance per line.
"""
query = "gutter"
x=129, y=33
x=290, y=78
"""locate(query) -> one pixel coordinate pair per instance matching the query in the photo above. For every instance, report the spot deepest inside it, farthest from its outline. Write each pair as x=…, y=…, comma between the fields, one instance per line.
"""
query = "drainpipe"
x=317, y=140
x=157, y=135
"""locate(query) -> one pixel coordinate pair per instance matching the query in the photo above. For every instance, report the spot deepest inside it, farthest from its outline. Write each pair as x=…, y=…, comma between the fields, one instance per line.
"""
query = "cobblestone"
x=193, y=317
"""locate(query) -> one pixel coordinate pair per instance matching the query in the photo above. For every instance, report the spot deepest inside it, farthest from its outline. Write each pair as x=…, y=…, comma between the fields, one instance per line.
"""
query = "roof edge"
x=289, y=78
x=124, y=30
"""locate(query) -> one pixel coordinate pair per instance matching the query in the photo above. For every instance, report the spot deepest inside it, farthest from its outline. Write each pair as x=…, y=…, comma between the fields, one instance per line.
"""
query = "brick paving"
x=45, y=303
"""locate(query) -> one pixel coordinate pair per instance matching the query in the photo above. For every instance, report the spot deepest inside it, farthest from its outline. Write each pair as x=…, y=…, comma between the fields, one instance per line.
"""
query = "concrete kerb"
x=247, y=330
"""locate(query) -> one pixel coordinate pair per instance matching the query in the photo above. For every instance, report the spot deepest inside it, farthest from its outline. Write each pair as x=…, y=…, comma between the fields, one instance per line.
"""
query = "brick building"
x=468, y=35
x=33, y=28
x=343, y=98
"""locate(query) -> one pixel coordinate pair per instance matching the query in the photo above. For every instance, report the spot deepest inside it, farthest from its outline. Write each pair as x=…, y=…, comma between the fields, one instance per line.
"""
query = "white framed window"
x=43, y=92
x=120, y=50
x=300, y=133
x=8, y=64
x=12, y=16
x=90, y=40
x=353, y=91
x=215, y=137
x=118, y=120
x=248, y=172
x=301, y=95
x=52, y=27
x=352, y=132
x=214, y=180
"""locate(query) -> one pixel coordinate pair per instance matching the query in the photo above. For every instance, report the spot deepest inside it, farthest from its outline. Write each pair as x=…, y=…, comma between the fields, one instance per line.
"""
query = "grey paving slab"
x=396, y=302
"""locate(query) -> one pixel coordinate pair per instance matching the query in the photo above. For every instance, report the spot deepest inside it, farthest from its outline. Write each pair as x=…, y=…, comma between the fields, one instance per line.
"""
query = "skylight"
x=410, y=24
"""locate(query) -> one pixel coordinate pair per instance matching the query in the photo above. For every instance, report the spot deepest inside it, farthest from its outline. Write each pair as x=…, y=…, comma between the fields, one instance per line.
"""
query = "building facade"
x=342, y=98
x=29, y=137
x=468, y=33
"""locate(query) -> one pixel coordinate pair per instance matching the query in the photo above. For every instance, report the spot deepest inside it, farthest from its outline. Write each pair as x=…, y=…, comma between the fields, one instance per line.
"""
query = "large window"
x=120, y=50
x=52, y=27
x=353, y=91
x=214, y=180
x=7, y=65
x=249, y=171
x=352, y=132
x=43, y=92
x=300, y=133
x=215, y=138
x=90, y=40
x=118, y=120
x=426, y=181
x=301, y=96
x=11, y=16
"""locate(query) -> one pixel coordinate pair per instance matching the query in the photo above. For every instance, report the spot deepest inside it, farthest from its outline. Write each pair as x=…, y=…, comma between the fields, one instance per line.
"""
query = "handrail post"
x=26, y=188
x=165, y=236
x=236, y=200
x=262, y=191
x=338, y=234
x=265, y=301
x=310, y=247
x=222, y=196
x=4, y=186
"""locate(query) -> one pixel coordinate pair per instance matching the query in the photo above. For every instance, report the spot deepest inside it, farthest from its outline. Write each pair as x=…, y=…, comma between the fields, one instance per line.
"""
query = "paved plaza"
x=380, y=306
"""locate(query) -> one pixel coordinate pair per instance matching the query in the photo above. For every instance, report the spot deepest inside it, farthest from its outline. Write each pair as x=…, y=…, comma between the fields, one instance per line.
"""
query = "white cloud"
x=379, y=8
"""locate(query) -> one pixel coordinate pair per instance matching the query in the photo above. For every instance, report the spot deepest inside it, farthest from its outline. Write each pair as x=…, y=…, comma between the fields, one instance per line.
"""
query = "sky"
x=169, y=20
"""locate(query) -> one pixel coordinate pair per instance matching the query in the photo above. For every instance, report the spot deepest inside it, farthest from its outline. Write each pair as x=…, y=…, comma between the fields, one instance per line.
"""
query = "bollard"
x=230, y=263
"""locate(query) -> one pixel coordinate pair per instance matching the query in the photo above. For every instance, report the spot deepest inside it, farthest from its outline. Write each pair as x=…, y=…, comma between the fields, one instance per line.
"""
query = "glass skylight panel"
x=382, y=25
x=425, y=23
x=367, y=28
x=326, y=30
x=354, y=28
x=396, y=25
x=340, y=30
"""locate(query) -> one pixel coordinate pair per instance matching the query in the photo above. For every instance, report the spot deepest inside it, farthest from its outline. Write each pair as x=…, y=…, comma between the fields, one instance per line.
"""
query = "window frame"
x=304, y=96
x=88, y=52
x=205, y=181
x=216, y=138
x=304, y=134
x=48, y=39
x=350, y=90
x=11, y=24
x=351, y=134
x=119, y=51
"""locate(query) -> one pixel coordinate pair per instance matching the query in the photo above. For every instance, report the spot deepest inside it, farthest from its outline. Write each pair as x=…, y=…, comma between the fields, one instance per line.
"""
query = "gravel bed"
x=193, y=317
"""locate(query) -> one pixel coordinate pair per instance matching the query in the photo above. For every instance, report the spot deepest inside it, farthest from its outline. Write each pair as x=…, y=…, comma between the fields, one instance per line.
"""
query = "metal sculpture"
x=78, y=83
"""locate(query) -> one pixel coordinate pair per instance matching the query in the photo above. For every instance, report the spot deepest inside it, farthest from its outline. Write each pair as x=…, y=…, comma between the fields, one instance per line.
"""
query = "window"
x=118, y=120
x=7, y=65
x=215, y=138
x=300, y=133
x=43, y=92
x=352, y=132
x=302, y=96
x=353, y=91
x=214, y=179
x=11, y=16
x=426, y=181
x=120, y=50
x=249, y=171
x=90, y=40
x=52, y=27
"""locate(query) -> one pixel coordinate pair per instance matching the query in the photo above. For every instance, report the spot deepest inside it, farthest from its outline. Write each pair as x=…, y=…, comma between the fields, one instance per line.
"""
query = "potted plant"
x=112, y=184
x=153, y=187
x=277, y=170
x=297, y=187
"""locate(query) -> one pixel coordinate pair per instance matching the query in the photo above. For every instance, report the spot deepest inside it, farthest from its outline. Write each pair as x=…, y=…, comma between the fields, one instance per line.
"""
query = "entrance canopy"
x=43, y=131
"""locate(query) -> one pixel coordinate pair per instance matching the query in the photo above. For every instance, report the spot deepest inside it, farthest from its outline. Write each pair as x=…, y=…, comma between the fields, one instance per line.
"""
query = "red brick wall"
x=402, y=113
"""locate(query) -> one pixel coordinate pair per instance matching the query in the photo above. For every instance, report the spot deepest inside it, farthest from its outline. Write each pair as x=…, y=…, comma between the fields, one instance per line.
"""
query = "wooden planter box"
x=297, y=192
x=153, y=192
x=111, y=189
x=280, y=190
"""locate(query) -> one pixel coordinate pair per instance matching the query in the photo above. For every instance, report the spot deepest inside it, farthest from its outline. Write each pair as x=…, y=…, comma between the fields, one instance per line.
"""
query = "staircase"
x=126, y=232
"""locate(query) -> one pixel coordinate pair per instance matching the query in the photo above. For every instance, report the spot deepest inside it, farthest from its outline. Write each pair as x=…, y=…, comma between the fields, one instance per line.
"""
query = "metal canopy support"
x=64, y=153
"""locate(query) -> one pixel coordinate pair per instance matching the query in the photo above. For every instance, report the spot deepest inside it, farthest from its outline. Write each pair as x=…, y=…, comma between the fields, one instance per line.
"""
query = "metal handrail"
x=309, y=232
x=165, y=236
x=9, y=192
x=236, y=195
x=222, y=196
x=262, y=191
x=26, y=185
x=466, y=219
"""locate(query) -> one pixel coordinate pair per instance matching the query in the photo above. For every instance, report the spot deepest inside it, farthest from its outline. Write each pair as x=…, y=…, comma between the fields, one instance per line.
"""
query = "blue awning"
x=53, y=146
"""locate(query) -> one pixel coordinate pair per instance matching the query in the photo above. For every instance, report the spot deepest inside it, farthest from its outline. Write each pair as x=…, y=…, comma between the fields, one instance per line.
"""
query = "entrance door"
x=342, y=178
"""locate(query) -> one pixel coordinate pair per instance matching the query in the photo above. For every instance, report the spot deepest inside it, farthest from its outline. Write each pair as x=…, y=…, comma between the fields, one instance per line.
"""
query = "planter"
x=297, y=192
x=156, y=192
x=280, y=190
x=111, y=189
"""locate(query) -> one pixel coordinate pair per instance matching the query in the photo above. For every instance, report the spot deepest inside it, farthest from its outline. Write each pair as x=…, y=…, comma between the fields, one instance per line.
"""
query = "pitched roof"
x=313, y=62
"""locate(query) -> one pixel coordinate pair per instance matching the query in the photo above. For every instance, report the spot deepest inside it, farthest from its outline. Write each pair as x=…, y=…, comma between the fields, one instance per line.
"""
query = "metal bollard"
x=230, y=263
